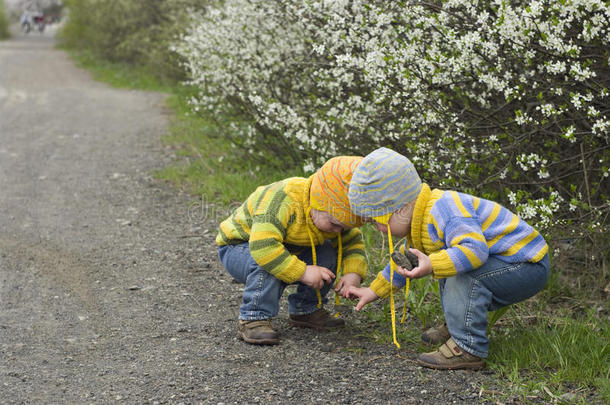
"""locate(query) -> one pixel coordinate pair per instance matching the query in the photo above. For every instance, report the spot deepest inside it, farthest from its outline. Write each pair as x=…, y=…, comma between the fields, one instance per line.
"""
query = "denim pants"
x=466, y=298
x=262, y=291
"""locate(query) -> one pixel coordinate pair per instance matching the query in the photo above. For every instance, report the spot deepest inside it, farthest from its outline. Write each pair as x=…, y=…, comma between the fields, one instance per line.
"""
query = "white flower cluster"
x=540, y=212
x=470, y=91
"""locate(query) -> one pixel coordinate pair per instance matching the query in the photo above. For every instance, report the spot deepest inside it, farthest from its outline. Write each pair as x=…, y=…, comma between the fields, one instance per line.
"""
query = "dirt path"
x=110, y=289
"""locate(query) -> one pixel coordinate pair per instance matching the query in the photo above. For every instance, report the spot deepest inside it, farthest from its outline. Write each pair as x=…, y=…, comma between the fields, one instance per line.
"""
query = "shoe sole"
x=268, y=342
x=458, y=366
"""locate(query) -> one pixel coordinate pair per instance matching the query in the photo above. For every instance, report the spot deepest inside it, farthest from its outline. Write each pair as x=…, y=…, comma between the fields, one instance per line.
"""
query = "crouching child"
x=295, y=231
x=484, y=256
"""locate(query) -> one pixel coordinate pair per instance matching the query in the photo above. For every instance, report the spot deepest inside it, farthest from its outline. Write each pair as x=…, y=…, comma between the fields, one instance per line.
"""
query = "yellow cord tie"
x=407, y=286
x=313, y=255
x=339, y=272
x=392, y=269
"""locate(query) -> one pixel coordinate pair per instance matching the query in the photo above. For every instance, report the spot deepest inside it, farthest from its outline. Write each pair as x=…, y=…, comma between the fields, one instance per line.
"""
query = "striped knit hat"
x=330, y=186
x=383, y=182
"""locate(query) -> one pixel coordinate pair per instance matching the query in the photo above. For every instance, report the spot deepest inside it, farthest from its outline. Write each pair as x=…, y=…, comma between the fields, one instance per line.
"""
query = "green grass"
x=4, y=32
x=209, y=163
x=549, y=349
x=121, y=75
x=555, y=356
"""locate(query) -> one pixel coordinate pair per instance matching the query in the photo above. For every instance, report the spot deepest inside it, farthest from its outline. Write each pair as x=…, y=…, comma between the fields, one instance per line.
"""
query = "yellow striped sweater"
x=274, y=216
x=459, y=232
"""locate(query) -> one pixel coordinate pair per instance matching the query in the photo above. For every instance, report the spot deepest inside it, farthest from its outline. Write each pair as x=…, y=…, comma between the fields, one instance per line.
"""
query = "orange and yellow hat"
x=329, y=189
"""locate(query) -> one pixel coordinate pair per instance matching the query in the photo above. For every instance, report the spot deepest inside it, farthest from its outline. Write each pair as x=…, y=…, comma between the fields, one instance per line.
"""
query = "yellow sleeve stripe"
x=267, y=255
x=472, y=258
x=511, y=227
x=472, y=235
x=250, y=206
x=492, y=217
x=224, y=228
x=266, y=234
x=541, y=254
x=519, y=245
x=475, y=203
x=263, y=202
x=460, y=206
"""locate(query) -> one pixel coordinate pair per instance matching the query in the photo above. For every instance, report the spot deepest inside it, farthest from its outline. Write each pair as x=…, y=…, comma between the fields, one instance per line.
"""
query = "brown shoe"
x=436, y=336
x=319, y=320
x=450, y=357
x=258, y=332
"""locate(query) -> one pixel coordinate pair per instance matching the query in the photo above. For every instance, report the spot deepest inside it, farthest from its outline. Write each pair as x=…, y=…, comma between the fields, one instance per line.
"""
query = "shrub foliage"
x=509, y=100
x=134, y=32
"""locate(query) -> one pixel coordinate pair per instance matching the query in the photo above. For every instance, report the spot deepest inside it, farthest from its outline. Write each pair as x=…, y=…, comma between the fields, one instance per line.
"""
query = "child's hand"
x=422, y=270
x=364, y=295
x=316, y=276
x=348, y=280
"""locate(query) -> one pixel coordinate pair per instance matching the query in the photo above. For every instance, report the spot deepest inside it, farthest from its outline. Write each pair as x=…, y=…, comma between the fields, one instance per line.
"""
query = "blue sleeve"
x=399, y=280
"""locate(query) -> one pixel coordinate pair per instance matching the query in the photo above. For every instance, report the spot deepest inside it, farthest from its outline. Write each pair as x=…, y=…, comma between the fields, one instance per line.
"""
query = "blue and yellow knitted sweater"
x=459, y=232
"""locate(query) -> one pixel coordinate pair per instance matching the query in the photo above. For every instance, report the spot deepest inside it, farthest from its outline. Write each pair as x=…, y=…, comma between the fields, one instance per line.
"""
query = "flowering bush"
x=509, y=100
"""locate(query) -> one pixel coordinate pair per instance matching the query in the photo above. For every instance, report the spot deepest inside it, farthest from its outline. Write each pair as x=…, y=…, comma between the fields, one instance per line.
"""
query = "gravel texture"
x=110, y=287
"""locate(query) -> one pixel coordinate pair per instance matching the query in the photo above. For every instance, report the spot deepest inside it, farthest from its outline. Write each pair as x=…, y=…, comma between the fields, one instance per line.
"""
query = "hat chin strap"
x=313, y=254
x=313, y=251
x=385, y=220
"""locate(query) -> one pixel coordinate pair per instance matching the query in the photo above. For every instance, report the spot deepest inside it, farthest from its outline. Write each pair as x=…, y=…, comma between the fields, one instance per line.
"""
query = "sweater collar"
x=306, y=190
x=317, y=234
x=418, y=216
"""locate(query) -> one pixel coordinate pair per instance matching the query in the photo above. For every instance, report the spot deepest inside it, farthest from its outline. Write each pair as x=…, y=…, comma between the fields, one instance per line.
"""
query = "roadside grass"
x=117, y=74
x=209, y=166
x=562, y=357
x=4, y=30
x=552, y=348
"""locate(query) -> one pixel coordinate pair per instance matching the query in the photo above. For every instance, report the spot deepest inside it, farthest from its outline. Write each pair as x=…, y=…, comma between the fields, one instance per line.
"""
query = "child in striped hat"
x=484, y=256
x=299, y=231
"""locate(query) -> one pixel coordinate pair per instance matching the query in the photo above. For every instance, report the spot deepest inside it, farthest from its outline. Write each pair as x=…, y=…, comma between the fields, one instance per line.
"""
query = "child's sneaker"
x=319, y=320
x=258, y=332
x=450, y=357
x=436, y=335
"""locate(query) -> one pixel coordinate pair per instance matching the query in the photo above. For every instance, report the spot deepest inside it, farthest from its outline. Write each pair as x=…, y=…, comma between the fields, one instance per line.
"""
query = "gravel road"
x=110, y=287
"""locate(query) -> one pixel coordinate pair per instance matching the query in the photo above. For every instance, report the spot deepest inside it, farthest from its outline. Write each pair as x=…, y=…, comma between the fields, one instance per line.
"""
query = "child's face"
x=326, y=222
x=400, y=223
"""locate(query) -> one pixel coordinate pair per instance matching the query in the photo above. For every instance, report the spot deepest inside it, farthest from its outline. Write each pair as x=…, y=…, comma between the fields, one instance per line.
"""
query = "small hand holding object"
x=348, y=280
x=421, y=268
x=316, y=276
x=364, y=295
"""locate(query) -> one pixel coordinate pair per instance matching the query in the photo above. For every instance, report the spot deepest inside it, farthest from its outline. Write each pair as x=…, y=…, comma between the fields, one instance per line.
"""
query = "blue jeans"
x=466, y=298
x=262, y=292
